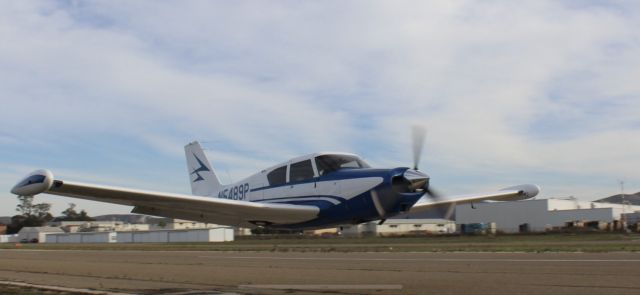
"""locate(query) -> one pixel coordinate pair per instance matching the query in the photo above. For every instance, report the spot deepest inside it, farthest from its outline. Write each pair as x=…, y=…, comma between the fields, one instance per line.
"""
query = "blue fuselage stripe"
x=284, y=184
x=306, y=197
x=321, y=204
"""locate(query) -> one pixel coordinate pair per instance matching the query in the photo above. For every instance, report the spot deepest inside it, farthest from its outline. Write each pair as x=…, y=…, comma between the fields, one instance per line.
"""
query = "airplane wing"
x=205, y=209
x=514, y=193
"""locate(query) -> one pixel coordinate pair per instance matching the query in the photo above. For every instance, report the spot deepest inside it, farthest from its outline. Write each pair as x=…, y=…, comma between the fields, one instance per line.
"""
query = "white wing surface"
x=514, y=193
x=205, y=209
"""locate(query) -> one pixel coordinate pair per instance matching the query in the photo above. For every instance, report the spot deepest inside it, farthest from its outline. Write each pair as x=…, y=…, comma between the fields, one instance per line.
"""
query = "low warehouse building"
x=393, y=227
x=176, y=224
x=9, y=238
x=37, y=234
x=220, y=234
x=89, y=237
x=97, y=226
x=540, y=215
x=632, y=218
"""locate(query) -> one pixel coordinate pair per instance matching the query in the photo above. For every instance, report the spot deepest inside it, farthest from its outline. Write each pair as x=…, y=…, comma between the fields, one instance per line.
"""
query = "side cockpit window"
x=301, y=171
x=278, y=176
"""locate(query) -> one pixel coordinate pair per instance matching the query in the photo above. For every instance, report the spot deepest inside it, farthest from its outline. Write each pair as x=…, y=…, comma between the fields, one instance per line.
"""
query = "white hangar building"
x=540, y=215
x=395, y=226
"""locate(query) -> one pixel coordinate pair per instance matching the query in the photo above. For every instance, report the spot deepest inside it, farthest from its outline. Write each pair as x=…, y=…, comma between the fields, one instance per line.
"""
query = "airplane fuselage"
x=344, y=196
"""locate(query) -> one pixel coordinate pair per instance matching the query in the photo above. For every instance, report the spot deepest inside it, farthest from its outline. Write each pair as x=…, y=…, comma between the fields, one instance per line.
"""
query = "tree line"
x=31, y=214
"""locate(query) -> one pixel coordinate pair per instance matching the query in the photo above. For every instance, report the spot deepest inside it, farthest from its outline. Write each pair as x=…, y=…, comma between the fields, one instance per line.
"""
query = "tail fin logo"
x=197, y=171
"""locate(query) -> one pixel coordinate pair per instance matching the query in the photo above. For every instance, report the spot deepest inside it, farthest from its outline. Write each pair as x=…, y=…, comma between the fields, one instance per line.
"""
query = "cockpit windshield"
x=329, y=163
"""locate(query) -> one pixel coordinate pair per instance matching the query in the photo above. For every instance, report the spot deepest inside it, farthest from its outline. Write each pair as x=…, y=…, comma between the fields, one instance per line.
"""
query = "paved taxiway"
x=328, y=273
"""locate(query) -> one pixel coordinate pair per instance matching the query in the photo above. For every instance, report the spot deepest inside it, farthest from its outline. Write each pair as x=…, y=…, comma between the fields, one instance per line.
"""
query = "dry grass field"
x=556, y=242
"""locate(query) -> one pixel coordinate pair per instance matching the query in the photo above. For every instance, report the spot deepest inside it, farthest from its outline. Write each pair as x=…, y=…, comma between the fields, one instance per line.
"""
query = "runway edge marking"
x=60, y=289
x=423, y=259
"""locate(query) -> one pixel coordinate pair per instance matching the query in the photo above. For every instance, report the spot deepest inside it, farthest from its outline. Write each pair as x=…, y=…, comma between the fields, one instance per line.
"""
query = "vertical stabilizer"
x=204, y=181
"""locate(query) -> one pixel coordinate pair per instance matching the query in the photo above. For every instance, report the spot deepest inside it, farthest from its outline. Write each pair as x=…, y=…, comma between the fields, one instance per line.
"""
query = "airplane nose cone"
x=416, y=179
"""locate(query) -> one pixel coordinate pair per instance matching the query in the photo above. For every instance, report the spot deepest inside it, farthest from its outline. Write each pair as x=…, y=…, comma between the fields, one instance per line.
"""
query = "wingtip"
x=36, y=182
x=528, y=190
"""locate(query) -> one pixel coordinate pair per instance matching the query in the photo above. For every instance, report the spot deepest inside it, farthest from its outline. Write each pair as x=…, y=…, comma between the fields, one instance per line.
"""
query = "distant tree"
x=70, y=214
x=30, y=214
x=85, y=217
x=162, y=224
x=25, y=205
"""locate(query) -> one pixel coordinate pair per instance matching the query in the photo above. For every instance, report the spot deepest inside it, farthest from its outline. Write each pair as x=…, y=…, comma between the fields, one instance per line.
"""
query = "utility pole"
x=623, y=219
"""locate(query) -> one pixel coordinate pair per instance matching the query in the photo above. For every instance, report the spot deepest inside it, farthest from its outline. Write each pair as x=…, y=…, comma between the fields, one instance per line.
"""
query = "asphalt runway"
x=202, y=272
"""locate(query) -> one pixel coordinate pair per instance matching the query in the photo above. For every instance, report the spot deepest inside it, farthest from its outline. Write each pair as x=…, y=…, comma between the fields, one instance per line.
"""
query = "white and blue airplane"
x=314, y=191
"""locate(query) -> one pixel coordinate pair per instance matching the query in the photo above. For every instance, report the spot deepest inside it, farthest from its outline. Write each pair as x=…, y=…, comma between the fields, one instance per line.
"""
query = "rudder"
x=203, y=179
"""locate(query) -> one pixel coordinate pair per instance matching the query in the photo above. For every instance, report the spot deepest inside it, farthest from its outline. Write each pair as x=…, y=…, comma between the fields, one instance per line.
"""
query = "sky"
x=511, y=92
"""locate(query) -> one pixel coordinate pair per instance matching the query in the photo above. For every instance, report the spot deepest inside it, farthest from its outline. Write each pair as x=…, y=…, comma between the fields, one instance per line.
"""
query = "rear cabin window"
x=277, y=176
x=300, y=171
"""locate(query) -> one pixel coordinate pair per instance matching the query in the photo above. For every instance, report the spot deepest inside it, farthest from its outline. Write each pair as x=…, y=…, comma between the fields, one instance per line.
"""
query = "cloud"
x=532, y=91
